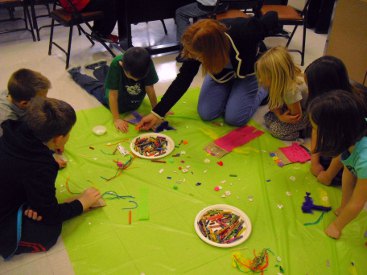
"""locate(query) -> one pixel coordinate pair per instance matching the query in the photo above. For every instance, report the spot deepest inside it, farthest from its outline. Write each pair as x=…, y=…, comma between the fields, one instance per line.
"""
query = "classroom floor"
x=17, y=50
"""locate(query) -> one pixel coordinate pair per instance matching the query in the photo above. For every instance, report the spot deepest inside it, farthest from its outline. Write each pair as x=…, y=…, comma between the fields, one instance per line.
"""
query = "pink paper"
x=238, y=137
x=296, y=153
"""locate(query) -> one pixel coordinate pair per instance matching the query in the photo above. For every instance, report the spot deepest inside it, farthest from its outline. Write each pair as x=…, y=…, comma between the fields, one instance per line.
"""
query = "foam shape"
x=238, y=137
x=296, y=153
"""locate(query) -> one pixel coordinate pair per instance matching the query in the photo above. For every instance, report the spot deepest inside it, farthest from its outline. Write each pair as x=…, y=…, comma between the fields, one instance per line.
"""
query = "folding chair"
x=70, y=20
x=288, y=15
x=32, y=4
x=11, y=5
x=236, y=8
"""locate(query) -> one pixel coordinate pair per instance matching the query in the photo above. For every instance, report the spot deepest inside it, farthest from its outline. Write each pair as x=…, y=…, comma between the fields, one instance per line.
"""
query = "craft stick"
x=130, y=214
x=158, y=160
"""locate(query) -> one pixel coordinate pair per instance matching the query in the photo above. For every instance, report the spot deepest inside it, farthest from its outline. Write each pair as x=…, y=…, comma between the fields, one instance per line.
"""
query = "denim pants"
x=237, y=100
x=193, y=10
x=94, y=86
x=183, y=15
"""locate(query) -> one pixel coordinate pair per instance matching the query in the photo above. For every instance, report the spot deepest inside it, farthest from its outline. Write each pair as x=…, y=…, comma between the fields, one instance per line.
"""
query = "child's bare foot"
x=332, y=231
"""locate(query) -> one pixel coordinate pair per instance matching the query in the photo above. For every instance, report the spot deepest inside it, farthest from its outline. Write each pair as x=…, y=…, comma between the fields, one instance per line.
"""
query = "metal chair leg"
x=27, y=19
x=34, y=19
x=291, y=36
x=108, y=48
x=164, y=27
x=69, y=47
x=51, y=36
x=85, y=33
x=303, y=44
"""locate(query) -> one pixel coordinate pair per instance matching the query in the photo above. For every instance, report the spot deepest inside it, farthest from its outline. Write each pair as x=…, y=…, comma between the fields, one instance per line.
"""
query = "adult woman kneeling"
x=227, y=51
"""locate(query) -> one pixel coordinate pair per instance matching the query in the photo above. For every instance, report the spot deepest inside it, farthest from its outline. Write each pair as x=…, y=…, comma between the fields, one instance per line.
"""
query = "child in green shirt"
x=126, y=82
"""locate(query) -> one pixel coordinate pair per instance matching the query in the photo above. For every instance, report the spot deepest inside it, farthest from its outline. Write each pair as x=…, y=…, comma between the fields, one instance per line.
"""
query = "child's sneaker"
x=74, y=70
x=95, y=65
x=110, y=38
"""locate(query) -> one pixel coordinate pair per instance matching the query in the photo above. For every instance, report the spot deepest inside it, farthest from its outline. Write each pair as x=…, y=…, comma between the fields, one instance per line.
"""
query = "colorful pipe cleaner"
x=151, y=146
x=120, y=167
x=221, y=226
x=257, y=265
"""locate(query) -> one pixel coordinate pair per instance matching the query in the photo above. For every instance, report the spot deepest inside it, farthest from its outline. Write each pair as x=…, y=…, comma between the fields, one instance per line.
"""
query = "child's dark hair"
x=340, y=119
x=24, y=84
x=49, y=118
x=325, y=74
x=136, y=61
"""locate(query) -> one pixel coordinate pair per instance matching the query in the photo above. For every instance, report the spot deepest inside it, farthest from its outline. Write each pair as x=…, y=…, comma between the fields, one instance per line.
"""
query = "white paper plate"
x=247, y=224
x=170, y=145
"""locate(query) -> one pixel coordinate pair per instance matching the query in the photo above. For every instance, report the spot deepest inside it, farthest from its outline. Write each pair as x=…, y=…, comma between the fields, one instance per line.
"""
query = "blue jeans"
x=94, y=86
x=183, y=15
x=237, y=99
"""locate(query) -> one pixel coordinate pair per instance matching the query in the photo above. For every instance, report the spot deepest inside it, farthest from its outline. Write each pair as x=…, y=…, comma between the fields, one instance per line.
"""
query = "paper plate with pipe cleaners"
x=152, y=146
x=222, y=225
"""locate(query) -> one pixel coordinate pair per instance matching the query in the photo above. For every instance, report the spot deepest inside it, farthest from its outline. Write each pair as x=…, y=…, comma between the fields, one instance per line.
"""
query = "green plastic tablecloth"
x=162, y=238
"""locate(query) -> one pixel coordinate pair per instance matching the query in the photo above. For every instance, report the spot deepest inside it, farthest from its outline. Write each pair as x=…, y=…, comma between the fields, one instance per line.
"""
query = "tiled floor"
x=17, y=50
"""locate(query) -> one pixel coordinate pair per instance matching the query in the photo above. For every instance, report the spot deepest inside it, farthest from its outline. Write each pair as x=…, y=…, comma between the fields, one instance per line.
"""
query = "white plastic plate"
x=247, y=224
x=169, y=149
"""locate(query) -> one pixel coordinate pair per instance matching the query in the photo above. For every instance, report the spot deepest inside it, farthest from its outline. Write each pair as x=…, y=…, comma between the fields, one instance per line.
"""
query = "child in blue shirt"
x=323, y=75
x=339, y=118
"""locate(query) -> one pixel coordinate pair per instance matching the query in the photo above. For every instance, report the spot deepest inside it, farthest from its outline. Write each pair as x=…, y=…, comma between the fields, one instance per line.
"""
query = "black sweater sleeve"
x=178, y=87
x=41, y=197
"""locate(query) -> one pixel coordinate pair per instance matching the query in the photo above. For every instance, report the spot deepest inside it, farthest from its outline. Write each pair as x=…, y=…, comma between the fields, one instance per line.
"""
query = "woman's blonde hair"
x=276, y=70
x=206, y=41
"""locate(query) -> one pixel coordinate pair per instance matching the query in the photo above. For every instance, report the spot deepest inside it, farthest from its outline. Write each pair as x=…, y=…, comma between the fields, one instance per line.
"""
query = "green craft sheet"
x=162, y=238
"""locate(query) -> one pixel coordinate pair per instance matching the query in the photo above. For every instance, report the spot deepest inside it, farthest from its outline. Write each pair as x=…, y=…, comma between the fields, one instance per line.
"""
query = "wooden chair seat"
x=12, y=3
x=288, y=15
x=66, y=18
x=231, y=14
x=284, y=12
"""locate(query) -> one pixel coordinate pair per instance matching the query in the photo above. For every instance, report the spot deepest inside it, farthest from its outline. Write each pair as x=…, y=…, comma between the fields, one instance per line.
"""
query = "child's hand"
x=332, y=231
x=121, y=125
x=99, y=203
x=32, y=215
x=324, y=178
x=288, y=118
x=89, y=198
x=60, y=160
x=316, y=168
